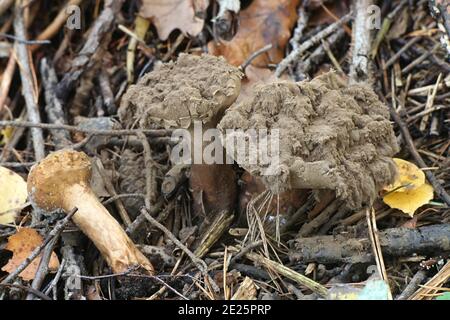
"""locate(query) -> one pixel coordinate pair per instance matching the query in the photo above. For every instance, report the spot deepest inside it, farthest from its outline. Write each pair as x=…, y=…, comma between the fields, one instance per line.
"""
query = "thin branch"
x=27, y=83
x=95, y=132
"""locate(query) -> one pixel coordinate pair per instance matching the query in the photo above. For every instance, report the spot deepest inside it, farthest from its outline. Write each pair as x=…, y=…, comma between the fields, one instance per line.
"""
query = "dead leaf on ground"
x=13, y=195
x=168, y=15
x=263, y=22
x=22, y=244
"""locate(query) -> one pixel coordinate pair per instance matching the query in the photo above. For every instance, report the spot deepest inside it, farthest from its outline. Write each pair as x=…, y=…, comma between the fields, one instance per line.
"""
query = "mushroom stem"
x=104, y=231
x=311, y=175
x=62, y=181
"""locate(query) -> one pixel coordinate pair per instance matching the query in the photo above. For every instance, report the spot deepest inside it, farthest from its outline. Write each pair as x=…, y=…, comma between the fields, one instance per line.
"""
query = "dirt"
x=175, y=93
x=332, y=136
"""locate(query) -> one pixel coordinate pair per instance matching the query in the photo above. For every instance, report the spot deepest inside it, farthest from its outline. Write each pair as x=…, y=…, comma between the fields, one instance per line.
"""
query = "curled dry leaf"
x=410, y=200
x=22, y=244
x=13, y=195
x=263, y=22
x=168, y=15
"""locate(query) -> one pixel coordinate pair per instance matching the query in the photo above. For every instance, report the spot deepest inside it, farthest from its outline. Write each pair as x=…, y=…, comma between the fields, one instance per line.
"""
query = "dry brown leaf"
x=263, y=22
x=168, y=15
x=22, y=244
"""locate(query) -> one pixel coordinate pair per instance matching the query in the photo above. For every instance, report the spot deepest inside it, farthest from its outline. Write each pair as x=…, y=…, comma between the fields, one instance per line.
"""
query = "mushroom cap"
x=331, y=136
x=177, y=93
x=49, y=179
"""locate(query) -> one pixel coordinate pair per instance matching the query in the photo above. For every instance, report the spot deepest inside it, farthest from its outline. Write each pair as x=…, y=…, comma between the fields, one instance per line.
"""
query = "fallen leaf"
x=6, y=135
x=13, y=195
x=409, y=201
x=263, y=22
x=168, y=15
x=22, y=244
x=409, y=177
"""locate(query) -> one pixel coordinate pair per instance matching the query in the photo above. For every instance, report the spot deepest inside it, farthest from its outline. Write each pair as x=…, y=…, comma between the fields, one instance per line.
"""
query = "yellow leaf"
x=22, y=244
x=13, y=195
x=409, y=177
x=410, y=200
x=6, y=135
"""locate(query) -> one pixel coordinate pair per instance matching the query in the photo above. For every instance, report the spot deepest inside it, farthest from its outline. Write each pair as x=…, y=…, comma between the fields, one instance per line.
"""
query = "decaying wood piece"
x=215, y=230
x=246, y=291
x=395, y=242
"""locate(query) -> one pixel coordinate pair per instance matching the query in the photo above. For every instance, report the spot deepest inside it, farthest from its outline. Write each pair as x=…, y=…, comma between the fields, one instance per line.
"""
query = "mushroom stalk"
x=104, y=231
x=62, y=181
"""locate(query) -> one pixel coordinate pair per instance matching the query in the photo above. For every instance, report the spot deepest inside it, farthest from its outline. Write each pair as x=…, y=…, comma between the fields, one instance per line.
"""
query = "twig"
x=27, y=85
x=23, y=41
x=42, y=270
x=302, y=22
x=121, y=132
x=5, y=5
x=289, y=273
x=199, y=263
x=387, y=22
x=82, y=62
x=29, y=289
x=53, y=105
x=254, y=55
x=413, y=285
x=53, y=233
x=56, y=24
x=7, y=77
x=362, y=41
x=398, y=54
x=150, y=172
x=429, y=104
x=295, y=54
x=376, y=247
x=16, y=164
x=55, y=280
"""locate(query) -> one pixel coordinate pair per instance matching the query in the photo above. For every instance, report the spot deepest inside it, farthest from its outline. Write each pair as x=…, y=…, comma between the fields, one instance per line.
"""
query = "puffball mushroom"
x=176, y=95
x=62, y=181
x=331, y=136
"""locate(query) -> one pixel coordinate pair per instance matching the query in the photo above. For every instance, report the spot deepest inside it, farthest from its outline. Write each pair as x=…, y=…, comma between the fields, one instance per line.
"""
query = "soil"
x=332, y=136
x=175, y=93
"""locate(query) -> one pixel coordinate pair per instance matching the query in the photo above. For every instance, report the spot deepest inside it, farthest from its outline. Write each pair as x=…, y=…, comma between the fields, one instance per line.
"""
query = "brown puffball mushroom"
x=62, y=181
x=176, y=95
